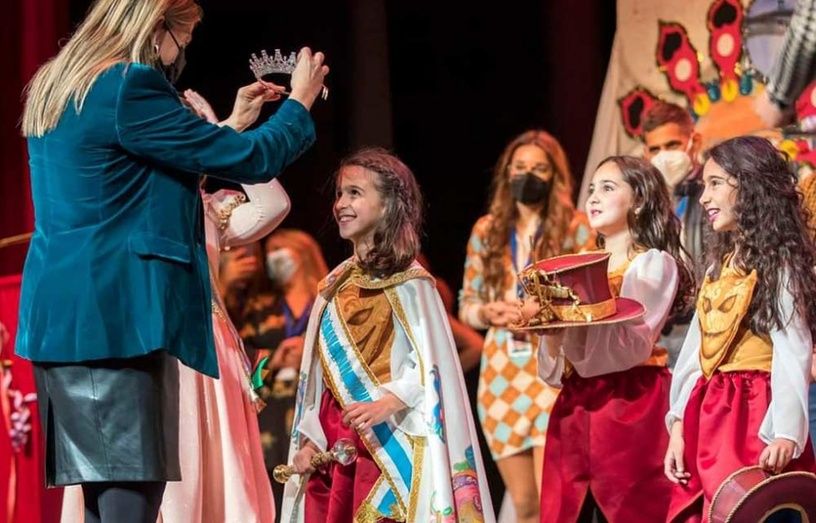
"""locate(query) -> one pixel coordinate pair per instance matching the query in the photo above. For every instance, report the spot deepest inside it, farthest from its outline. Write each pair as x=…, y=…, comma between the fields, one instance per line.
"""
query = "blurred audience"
x=269, y=290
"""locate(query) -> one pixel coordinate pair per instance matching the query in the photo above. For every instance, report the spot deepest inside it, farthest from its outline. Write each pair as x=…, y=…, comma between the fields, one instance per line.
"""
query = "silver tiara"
x=276, y=64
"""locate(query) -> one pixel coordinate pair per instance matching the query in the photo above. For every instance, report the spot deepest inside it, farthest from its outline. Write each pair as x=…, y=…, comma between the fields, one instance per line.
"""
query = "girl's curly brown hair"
x=397, y=237
x=772, y=234
x=556, y=215
x=653, y=223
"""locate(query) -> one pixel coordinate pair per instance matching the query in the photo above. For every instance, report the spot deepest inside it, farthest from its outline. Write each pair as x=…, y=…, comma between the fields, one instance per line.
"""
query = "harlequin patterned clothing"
x=513, y=402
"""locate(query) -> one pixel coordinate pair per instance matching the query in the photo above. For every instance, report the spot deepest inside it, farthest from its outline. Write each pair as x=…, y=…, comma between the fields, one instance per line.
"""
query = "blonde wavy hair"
x=114, y=31
x=556, y=216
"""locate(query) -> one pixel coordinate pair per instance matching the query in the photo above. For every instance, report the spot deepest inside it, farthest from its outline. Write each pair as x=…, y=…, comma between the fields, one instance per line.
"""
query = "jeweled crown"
x=276, y=64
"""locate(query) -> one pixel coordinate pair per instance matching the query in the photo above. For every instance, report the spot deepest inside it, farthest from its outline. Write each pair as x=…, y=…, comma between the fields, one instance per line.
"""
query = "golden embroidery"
x=366, y=282
x=225, y=212
x=396, y=305
x=350, y=269
x=419, y=443
x=721, y=309
x=584, y=313
x=328, y=285
x=366, y=513
x=336, y=393
x=217, y=310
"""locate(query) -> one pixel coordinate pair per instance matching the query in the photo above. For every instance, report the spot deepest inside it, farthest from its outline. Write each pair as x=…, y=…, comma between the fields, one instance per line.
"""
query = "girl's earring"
x=156, y=48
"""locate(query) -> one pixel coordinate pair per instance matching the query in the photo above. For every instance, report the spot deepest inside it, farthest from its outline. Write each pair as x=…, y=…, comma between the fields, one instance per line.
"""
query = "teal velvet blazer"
x=117, y=267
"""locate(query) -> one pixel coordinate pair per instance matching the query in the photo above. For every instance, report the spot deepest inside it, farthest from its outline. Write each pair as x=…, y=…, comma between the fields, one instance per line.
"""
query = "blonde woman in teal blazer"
x=116, y=283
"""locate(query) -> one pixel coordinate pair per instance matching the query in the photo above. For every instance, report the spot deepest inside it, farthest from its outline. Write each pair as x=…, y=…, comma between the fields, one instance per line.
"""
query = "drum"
x=753, y=495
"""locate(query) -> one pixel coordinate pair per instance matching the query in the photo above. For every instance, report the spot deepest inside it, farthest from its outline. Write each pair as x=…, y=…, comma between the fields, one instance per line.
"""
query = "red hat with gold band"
x=753, y=494
x=573, y=290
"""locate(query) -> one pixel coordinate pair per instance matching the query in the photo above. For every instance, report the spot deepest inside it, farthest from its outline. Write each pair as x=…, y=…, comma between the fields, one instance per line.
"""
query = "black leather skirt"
x=110, y=420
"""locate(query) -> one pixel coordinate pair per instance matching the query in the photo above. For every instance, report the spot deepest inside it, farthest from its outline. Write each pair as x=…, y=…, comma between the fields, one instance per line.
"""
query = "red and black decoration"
x=724, y=22
x=634, y=107
x=677, y=58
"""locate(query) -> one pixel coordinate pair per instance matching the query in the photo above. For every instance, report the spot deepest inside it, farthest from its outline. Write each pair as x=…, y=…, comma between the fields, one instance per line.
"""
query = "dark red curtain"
x=29, y=35
x=29, y=32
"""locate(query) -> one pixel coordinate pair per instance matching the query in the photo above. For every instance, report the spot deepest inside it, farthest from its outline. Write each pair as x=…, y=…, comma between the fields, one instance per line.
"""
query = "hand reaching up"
x=308, y=76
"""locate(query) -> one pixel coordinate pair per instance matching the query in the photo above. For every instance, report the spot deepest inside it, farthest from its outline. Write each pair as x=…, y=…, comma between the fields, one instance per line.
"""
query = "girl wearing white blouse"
x=739, y=392
x=604, y=447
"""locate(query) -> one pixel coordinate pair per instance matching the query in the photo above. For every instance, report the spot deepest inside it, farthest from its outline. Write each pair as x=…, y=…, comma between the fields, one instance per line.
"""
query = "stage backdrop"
x=707, y=56
x=29, y=33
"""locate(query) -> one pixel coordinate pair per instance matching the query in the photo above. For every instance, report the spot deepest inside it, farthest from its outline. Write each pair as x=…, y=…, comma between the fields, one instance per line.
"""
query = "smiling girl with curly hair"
x=739, y=392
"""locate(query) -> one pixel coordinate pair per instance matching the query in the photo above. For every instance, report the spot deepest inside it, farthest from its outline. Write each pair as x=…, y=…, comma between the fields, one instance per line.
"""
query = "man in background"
x=672, y=145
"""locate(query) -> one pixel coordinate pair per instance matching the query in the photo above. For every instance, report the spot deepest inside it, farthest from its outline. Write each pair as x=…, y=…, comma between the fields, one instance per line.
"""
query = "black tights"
x=125, y=502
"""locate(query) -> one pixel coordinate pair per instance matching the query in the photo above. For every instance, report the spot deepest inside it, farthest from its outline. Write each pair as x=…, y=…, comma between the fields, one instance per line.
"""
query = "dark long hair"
x=653, y=223
x=556, y=216
x=772, y=233
x=397, y=237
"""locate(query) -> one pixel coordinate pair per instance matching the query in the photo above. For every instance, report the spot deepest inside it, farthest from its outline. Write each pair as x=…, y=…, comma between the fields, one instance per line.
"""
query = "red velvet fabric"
x=606, y=434
x=585, y=274
x=30, y=500
x=720, y=430
x=335, y=492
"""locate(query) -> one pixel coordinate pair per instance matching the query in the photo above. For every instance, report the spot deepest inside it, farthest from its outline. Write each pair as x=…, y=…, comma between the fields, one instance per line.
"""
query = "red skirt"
x=721, y=432
x=607, y=434
x=335, y=492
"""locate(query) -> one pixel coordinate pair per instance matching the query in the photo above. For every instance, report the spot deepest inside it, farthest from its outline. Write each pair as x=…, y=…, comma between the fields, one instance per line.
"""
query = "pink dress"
x=222, y=466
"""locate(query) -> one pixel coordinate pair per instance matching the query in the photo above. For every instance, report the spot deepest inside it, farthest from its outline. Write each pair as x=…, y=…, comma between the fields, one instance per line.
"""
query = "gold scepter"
x=343, y=452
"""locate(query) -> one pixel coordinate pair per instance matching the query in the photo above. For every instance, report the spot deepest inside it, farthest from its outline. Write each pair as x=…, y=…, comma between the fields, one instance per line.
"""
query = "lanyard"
x=514, y=256
x=682, y=207
x=294, y=327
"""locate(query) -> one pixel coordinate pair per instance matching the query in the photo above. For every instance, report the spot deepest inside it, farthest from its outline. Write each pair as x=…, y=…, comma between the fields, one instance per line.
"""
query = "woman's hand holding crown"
x=307, y=78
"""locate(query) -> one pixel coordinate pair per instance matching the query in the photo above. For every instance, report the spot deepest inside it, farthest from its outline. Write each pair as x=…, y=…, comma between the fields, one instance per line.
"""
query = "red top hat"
x=573, y=290
x=752, y=494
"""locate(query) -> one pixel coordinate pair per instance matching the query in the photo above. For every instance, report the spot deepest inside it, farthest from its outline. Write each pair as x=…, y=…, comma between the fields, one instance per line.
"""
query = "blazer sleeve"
x=151, y=123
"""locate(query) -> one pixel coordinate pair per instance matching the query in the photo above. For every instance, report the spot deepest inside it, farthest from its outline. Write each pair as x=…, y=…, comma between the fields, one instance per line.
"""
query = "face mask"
x=529, y=189
x=673, y=165
x=173, y=71
x=280, y=266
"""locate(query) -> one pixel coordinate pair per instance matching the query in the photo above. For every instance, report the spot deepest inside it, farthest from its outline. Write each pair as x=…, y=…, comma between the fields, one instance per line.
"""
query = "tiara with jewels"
x=276, y=64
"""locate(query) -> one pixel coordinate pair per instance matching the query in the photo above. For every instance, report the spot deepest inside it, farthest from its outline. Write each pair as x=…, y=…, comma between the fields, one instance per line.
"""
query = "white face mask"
x=673, y=165
x=281, y=265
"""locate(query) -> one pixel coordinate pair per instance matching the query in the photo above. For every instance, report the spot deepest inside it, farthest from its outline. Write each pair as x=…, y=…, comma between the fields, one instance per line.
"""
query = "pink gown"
x=222, y=466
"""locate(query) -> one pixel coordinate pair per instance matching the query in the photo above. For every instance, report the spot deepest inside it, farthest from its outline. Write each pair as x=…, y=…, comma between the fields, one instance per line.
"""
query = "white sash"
x=351, y=381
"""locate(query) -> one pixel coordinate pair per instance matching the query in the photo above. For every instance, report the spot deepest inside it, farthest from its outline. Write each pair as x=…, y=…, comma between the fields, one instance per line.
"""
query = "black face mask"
x=173, y=71
x=529, y=189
